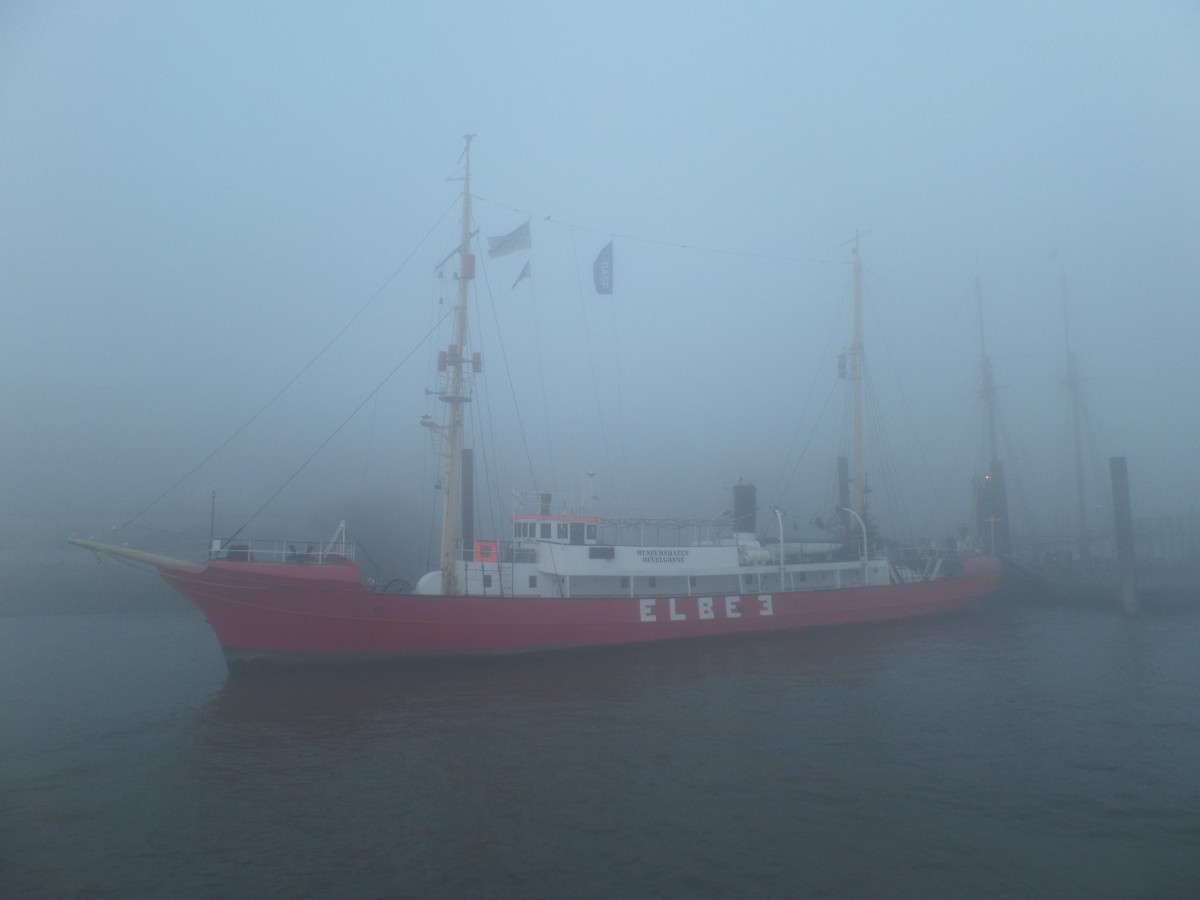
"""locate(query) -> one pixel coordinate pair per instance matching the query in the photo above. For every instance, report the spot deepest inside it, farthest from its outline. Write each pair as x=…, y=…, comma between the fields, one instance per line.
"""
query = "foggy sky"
x=195, y=198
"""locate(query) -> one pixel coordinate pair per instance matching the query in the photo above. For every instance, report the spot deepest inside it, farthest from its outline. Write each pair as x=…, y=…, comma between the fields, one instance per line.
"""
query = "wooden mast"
x=457, y=395
x=856, y=383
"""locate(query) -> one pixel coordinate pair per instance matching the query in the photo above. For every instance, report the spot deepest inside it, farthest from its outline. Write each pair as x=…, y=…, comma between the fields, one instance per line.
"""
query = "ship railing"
x=337, y=550
x=549, y=503
x=921, y=560
x=316, y=553
x=497, y=552
x=634, y=528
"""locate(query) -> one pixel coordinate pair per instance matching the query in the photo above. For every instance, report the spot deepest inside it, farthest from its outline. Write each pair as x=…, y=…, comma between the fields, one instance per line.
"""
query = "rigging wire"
x=782, y=492
x=486, y=461
x=344, y=423
x=902, y=512
x=620, y=403
x=1095, y=483
x=1015, y=459
x=362, y=309
x=541, y=370
x=362, y=487
x=649, y=240
x=891, y=486
x=516, y=409
x=587, y=337
x=820, y=417
x=888, y=481
x=491, y=460
x=184, y=534
x=573, y=227
x=428, y=446
x=511, y=385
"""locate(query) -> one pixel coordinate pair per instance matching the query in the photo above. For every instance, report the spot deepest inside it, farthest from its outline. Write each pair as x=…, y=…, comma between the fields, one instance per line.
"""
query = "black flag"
x=525, y=273
x=602, y=270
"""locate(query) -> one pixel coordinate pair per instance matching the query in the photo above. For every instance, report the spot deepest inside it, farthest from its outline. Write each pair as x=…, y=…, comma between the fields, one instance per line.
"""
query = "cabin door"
x=576, y=532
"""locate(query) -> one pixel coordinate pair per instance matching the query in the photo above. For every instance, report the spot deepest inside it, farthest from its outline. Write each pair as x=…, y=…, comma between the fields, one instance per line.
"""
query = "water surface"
x=1009, y=752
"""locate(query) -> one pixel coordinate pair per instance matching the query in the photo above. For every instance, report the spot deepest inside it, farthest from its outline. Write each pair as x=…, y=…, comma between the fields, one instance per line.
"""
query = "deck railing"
x=307, y=552
x=298, y=552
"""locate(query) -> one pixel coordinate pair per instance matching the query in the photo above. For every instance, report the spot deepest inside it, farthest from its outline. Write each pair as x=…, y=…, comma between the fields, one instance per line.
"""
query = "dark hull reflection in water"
x=1003, y=753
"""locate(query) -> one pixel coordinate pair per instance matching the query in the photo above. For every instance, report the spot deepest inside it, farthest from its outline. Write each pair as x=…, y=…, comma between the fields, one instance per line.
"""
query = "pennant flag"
x=602, y=270
x=524, y=274
x=515, y=240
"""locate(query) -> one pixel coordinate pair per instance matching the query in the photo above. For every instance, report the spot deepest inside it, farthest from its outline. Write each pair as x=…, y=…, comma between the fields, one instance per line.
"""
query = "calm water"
x=1012, y=752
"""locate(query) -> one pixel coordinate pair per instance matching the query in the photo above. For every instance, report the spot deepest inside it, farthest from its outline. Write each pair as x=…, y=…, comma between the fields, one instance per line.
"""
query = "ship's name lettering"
x=662, y=556
x=669, y=609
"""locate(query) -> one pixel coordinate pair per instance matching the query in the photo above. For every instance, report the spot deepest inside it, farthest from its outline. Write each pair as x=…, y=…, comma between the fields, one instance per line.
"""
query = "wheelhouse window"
x=545, y=531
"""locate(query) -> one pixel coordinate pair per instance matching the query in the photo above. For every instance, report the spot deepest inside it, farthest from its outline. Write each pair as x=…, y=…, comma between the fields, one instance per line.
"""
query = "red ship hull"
x=266, y=611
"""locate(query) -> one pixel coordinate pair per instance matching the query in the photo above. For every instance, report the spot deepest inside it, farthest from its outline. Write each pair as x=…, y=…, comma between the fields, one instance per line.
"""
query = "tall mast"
x=856, y=383
x=991, y=494
x=1076, y=399
x=989, y=387
x=457, y=395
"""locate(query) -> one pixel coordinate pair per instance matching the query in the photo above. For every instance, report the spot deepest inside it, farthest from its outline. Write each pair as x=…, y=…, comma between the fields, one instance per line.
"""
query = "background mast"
x=856, y=383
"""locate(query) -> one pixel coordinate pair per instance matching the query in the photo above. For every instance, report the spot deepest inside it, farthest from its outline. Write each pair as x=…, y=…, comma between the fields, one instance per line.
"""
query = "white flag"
x=515, y=240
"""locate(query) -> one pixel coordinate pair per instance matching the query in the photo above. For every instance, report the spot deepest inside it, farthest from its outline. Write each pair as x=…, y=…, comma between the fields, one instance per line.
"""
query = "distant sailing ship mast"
x=1075, y=396
x=853, y=473
x=991, y=499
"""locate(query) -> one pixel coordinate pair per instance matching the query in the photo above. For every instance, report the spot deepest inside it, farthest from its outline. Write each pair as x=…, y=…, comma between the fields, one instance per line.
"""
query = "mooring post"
x=1123, y=514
